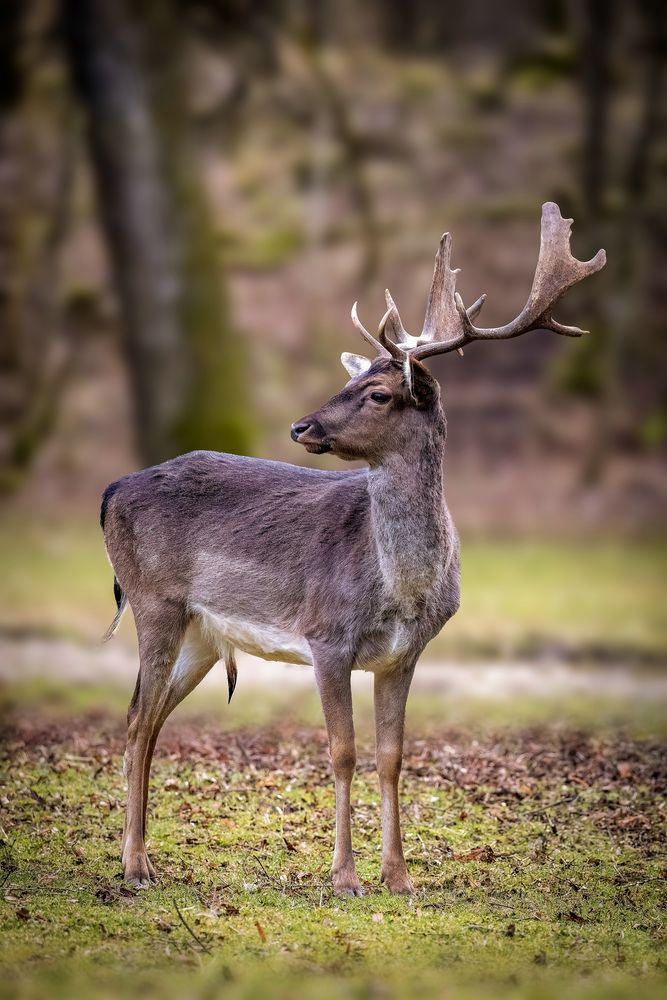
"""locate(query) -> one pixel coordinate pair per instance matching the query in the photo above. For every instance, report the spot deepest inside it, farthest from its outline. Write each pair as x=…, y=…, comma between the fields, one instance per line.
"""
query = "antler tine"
x=380, y=348
x=476, y=308
x=441, y=313
x=557, y=271
x=396, y=351
x=392, y=324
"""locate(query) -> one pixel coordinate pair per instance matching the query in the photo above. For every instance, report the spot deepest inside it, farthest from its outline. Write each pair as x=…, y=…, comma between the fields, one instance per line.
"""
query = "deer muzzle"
x=310, y=433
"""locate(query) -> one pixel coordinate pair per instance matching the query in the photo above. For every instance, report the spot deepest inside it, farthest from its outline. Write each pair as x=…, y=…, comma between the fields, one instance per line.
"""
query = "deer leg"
x=336, y=696
x=391, y=693
x=143, y=715
x=165, y=679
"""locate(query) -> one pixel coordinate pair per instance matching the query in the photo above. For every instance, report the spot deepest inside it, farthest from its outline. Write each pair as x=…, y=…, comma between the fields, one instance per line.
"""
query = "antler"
x=556, y=271
x=449, y=320
x=380, y=348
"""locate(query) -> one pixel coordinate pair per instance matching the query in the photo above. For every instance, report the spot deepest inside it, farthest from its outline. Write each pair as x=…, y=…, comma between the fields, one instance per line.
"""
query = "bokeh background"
x=192, y=194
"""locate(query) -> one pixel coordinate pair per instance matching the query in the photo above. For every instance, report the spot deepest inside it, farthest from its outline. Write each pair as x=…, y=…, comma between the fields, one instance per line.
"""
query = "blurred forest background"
x=192, y=194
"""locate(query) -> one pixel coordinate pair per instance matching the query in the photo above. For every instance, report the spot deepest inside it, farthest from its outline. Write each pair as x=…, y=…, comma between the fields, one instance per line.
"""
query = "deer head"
x=387, y=398
x=376, y=412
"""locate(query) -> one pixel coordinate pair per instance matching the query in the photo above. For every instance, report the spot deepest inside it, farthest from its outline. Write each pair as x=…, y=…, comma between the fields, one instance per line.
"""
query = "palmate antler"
x=448, y=324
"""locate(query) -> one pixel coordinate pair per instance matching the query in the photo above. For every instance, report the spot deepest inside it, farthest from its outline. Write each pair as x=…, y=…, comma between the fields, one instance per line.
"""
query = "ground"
x=539, y=858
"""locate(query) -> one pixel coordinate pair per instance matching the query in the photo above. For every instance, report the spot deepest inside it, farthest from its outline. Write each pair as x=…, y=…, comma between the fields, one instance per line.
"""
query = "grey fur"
x=362, y=564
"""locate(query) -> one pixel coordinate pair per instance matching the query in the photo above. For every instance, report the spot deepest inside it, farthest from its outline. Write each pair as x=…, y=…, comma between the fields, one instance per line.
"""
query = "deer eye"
x=381, y=397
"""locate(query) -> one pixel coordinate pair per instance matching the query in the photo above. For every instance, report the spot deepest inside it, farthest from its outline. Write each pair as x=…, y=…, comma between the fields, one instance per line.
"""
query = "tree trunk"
x=599, y=354
x=186, y=384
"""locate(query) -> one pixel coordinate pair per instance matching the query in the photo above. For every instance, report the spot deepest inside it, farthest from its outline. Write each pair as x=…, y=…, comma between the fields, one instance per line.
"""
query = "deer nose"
x=300, y=428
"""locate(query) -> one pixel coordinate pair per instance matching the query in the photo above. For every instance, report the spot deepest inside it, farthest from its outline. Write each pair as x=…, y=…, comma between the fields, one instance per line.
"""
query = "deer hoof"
x=347, y=885
x=399, y=883
x=138, y=871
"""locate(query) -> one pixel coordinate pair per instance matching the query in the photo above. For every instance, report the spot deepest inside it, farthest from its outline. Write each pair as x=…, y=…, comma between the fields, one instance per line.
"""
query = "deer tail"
x=121, y=604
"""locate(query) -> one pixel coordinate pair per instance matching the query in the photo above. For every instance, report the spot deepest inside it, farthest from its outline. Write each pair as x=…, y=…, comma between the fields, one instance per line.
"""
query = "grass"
x=598, y=599
x=539, y=861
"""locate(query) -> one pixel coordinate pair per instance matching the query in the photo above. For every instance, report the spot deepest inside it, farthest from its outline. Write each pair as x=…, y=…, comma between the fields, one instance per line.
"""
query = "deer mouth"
x=311, y=435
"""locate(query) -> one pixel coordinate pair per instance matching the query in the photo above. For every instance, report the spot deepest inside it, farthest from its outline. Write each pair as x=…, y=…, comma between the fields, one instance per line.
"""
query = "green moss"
x=215, y=413
x=653, y=431
x=570, y=901
x=263, y=250
x=555, y=59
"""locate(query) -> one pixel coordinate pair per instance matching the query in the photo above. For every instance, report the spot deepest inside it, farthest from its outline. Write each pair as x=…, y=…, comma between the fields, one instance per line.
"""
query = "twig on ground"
x=560, y=802
x=190, y=931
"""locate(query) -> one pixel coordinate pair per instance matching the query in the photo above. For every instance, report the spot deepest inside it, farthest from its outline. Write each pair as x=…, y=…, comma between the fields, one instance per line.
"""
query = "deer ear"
x=421, y=385
x=354, y=364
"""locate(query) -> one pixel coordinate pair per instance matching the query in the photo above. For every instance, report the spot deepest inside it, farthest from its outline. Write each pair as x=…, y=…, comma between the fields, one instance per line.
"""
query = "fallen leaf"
x=261, y=931
x=485, y=853
x=636, y=819
x=378, y=918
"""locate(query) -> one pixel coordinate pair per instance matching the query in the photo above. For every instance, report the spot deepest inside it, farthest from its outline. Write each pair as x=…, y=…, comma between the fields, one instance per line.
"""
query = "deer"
x=351, y=569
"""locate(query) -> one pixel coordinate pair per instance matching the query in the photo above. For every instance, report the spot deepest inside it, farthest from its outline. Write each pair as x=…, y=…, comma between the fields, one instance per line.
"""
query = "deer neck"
x=409, y=518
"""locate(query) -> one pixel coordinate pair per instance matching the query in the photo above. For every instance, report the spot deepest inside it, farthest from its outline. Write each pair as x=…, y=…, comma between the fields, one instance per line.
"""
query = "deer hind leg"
x=333, y=681
x=167, y=675
x=391, y=692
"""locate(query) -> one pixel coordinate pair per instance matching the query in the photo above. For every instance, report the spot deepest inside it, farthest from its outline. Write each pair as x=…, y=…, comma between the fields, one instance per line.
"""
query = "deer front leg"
x=333, y=682
x=391, y=693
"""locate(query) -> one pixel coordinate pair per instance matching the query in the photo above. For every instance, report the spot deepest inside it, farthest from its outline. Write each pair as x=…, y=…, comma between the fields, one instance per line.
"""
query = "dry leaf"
x=485, y=853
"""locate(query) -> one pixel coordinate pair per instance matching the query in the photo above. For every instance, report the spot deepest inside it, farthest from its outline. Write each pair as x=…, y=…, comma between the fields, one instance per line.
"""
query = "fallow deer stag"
x=342, y=570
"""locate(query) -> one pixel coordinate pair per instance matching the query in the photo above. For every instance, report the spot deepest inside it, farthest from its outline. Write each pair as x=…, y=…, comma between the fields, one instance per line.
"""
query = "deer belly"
x=267, y=641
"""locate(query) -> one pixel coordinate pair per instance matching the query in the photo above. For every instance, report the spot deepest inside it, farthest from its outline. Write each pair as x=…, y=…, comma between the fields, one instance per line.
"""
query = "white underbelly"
x=267, y=641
